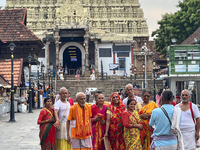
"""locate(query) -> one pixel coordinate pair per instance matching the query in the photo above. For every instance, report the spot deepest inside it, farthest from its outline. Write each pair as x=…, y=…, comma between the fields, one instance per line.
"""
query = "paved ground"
x=22, y=134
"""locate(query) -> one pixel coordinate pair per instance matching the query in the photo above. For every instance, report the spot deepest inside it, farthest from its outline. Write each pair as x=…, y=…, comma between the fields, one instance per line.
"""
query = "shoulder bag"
x=61, y=132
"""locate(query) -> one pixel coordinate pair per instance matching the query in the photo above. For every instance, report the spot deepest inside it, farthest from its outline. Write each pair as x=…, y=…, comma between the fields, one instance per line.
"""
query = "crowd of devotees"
x=131, y=123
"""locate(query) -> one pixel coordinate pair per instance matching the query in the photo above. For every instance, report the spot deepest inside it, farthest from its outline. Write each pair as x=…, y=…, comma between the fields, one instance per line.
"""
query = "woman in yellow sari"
x=145, y=109
x=132, y=126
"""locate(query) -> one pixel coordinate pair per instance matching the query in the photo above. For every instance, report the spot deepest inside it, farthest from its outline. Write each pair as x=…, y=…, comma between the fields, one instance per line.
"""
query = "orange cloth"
x=82, y=129
x=147, y=109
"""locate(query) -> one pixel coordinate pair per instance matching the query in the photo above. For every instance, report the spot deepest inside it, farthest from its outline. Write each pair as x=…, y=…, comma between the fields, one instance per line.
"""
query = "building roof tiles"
x=5, y=70
x=13, y=26
x=190, y=39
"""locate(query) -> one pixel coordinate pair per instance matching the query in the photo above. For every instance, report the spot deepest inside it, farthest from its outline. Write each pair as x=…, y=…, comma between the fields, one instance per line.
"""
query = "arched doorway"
x=72, y=57
x=78, y=46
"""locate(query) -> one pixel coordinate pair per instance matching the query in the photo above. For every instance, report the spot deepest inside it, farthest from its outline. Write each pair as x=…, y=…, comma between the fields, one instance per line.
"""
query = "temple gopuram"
x=86, y=34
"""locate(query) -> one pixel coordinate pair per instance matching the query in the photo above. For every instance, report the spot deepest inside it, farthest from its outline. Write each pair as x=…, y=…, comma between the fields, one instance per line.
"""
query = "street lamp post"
x=154, y=83
x=43, y=76
x=49, y=74
x=30, y=91
x=168, y=71
x=12, y=113
x=143, y=67
x=52, y=79
x=145, y=59
x=38, y=65
x=131, y=76
x=135, y=74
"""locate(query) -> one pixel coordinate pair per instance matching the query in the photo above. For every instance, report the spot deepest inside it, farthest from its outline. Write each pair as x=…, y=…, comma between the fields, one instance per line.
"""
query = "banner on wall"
x=193, y=68
x=113, y=66
x=180, y=68
x=136, y=90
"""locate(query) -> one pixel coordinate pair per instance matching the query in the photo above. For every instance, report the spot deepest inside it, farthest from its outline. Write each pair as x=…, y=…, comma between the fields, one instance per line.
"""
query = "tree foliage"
x=179, y=25
x=7, y=7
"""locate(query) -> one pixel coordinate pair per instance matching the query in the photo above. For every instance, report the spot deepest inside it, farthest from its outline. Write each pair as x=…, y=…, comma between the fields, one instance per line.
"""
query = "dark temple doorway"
x=73, y=58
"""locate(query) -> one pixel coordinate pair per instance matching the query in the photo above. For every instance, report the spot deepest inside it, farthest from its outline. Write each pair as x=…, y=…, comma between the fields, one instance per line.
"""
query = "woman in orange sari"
x=145, y=109
x=114, y=124
x=47, y=129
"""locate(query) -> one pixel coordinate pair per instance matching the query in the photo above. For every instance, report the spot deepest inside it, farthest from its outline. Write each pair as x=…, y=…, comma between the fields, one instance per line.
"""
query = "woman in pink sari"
x=98, y=122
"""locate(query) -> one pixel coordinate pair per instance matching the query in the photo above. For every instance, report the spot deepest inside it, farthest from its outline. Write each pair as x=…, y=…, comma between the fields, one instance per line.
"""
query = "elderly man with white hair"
x=62, y=108
x=81, y=133
x=130, y=92
x=189, y=119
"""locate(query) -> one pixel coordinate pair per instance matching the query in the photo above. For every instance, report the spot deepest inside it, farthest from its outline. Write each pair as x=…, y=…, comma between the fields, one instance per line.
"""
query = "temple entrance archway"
x=73, y=54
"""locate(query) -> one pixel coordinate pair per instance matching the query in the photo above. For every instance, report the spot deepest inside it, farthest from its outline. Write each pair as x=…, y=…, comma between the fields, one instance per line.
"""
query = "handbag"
x=61, y=132
x=143, y=132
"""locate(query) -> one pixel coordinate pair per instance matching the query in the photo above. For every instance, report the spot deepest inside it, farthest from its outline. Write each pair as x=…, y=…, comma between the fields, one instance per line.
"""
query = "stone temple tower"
x=119, y=18
x=115, y=16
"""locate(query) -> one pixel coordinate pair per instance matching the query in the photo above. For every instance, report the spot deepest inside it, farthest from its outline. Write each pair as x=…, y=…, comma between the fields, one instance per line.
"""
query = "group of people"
x=136, y=123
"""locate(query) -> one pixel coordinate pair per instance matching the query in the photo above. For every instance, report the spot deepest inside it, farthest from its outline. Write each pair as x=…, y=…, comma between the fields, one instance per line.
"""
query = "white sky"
x=153, y=10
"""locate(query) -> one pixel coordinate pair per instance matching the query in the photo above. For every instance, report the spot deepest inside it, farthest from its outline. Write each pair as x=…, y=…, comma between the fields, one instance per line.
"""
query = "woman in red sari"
x=114, y=124
x=98, y=122
x=47, y=129
x=70, y=100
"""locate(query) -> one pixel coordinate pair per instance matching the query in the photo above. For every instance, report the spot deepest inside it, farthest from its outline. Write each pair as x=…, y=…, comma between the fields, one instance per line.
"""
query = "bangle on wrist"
x=46, y=120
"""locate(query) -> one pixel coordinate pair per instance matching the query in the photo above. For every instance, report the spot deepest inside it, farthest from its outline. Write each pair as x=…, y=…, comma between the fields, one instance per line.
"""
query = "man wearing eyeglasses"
x=130, y=92
x=190, y=121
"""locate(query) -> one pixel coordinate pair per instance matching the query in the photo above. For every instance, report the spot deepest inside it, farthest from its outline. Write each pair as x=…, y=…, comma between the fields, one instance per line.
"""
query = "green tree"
x=179, y=25
x=7, y=7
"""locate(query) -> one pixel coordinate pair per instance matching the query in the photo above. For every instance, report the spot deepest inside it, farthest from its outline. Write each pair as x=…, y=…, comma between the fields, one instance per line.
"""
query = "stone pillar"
x=173, y=86
x=47, y=55
x=96, y=57
x=57, y=38
x=182, y=86
x=197, y=93
x=86, y=37
x=132, y=59
x=179, y=87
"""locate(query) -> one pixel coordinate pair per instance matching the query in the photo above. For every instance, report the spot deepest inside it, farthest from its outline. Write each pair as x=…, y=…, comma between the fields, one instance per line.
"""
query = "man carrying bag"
x=62, y=108
x=166, y=121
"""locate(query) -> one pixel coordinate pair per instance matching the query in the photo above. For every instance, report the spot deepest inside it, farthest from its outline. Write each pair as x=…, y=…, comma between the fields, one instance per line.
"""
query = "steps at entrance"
x=105, y=86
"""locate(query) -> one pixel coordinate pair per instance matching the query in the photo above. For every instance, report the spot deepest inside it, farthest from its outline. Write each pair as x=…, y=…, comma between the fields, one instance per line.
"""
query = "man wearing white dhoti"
x=41, y=98
x=189, y=118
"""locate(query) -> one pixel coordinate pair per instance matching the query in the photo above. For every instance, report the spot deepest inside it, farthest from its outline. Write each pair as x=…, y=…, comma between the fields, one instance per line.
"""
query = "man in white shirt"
x=87, y=93
x=62, y=108
x=189, y=115
x=130, y=92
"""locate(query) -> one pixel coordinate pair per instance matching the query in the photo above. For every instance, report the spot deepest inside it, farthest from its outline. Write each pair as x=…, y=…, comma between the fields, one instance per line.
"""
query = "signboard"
x=193, y=68
x=113, y=66
x=184, y=59
x=136, y=90
x=180, y=68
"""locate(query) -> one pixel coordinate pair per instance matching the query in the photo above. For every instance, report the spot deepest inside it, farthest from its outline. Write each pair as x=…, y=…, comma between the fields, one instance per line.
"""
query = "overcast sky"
x=153, y=10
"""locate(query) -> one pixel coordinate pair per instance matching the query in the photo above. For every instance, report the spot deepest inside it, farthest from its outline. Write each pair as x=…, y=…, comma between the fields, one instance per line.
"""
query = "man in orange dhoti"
x=81, y=133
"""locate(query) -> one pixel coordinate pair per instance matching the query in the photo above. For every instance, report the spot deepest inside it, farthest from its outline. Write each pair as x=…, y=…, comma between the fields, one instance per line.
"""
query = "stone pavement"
x=22, y=134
